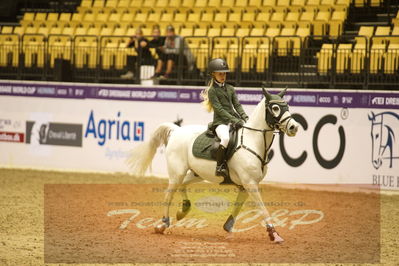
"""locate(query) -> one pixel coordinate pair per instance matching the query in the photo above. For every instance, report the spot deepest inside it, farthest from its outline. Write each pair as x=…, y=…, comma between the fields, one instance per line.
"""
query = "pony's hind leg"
x=170, y=191
x=190, y=178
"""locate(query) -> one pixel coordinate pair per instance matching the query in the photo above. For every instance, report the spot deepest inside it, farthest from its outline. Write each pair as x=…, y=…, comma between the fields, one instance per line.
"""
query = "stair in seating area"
x=368, y=16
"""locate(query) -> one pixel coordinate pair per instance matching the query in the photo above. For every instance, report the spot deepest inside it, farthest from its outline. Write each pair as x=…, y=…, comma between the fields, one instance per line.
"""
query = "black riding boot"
x=221, y=167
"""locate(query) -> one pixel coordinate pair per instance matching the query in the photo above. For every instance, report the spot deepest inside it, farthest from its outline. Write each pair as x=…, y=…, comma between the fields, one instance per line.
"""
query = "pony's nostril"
x=292, y=128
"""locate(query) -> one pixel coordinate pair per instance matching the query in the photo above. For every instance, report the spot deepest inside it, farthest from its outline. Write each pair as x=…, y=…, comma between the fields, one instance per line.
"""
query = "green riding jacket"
x=227, y=109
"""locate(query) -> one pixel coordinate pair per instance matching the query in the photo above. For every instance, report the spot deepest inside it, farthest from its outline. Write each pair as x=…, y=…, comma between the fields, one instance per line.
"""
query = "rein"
x=264, y=161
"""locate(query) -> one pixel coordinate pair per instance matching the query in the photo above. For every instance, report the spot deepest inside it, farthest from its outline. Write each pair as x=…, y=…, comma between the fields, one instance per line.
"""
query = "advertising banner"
x=346, y=137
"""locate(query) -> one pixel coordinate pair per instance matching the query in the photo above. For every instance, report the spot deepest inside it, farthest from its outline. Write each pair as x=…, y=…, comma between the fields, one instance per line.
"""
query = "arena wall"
x=346, y=137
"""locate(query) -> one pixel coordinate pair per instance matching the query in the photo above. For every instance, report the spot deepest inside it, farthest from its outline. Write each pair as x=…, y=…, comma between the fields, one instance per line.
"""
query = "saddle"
x=206, y=144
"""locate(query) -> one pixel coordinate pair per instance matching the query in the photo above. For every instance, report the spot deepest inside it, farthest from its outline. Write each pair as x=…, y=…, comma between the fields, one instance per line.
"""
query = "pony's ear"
x=372, y=116
x=282, y=93
x=267, y=95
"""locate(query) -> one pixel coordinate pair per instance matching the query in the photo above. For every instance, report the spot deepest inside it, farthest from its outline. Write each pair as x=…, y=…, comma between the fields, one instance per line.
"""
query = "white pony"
x=247, y=166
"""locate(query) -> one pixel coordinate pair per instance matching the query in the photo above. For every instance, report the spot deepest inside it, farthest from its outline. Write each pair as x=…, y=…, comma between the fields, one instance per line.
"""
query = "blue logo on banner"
x=138, y=131
x=384, y=144
x=113, y=129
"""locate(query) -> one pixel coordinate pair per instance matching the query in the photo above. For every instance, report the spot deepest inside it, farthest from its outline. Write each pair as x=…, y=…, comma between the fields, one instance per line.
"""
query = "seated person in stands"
x=142, y=47
x=169, y=53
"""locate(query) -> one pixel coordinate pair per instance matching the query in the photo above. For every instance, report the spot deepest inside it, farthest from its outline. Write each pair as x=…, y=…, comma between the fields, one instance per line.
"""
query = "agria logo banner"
x=384, y=139
x=113, y=128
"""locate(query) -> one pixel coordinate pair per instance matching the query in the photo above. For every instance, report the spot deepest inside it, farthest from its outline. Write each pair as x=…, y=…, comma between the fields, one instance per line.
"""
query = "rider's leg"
x=222, y=131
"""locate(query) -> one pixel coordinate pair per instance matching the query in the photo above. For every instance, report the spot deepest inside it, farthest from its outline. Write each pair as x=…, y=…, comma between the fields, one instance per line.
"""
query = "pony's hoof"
x=160, y=229
x=180, y=215
x=277, y=238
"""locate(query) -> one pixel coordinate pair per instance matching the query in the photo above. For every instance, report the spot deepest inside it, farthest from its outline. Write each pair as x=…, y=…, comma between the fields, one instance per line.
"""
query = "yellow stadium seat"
x=41, y=17
x=320, y=23
x=313, y=3
x=128, y=17
x=180, y=17
x=248, y=57
x=262, y=58
x=285, y=3
x=257, y=32
x=123, y=4
x=200, y=3
x=214, y=32
x=119, y=31
x=392, y=59
x=358, y=57
x=219, y=17
x=278, y=16
x=200, y=32
x=271, y=3
x=81, y=31
x=141, y=17
x=228, y=3
x=272, y=32
x=382, y=31
x=19, y=30
x=43, y=30
x=175, y=4
x=98, y=3
x=188, y=4
x=298, y=3
x=324, y=58
x=299, y=43
x=85, y=53
x=52, y=17
x=161, y=4
x=185, y=32
x=77, y=17
x=284, y=44
x=228, y=32
x=242, y=32
x=7, y=29
x=9, y=52
x=31, y=30
x=86, y=3
x=248, y=18
x=241, y=3
x=55, y=30
x=33, y=48
x=207, y=17
x=292, y=16
x=263, y=17
x=344, y=52
x=343, y=2
x=194, y=17
x=68, y=31
x=115, y=17
x=214, y=3
x=59, y=48
x=28, y=16
x=154, y=17
x=376, y=57
x=65, y=17
x=365, y=33
x=308, y=16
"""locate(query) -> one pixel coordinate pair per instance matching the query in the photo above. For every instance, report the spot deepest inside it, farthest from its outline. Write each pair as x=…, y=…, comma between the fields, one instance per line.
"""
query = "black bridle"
x=273, y=122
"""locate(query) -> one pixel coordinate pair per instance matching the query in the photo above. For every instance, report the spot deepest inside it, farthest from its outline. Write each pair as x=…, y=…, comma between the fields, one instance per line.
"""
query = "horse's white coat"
x=245, y=168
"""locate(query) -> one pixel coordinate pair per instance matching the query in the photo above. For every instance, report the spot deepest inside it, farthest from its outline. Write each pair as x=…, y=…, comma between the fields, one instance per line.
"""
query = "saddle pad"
x=202, y=147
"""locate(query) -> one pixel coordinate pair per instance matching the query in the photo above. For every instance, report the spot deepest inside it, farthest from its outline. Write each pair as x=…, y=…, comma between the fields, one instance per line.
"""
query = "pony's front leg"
x=253, y=190
x=241, y=198
x=168, y=199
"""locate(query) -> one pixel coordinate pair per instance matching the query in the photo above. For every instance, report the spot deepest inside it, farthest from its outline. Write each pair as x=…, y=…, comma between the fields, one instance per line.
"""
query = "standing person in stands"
x=142, y=47
x=169, y=53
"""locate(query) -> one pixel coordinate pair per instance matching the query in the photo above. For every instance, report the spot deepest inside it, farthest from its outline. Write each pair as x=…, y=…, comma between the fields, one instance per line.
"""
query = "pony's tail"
x=204, y=94
x=142, y=155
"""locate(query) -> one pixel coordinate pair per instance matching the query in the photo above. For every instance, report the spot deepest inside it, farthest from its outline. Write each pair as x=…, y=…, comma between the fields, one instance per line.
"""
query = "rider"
x=221, y=98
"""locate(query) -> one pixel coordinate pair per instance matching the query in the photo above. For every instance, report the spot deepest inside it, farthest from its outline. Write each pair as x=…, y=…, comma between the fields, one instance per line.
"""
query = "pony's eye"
x=276, y=110
x=376, y=136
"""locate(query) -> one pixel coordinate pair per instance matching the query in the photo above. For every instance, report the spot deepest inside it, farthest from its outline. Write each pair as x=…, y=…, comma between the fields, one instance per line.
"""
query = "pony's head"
x=277, y=113
x=376, y=130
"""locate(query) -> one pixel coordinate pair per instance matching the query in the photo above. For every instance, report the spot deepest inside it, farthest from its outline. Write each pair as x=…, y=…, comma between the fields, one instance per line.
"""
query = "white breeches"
x=223, y=133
